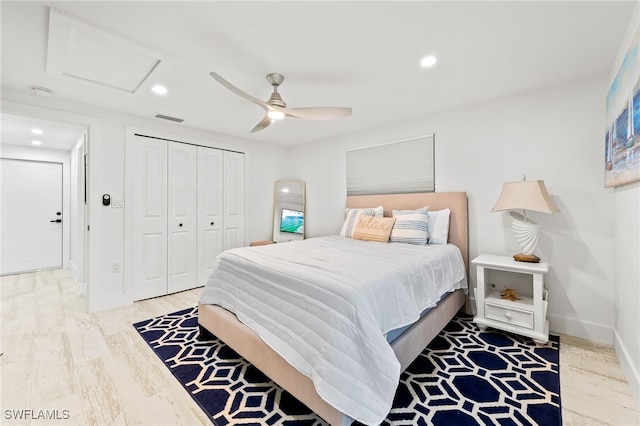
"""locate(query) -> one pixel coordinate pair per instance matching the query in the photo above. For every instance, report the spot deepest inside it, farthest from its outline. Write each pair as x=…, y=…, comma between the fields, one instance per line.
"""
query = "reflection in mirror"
x=288, y=210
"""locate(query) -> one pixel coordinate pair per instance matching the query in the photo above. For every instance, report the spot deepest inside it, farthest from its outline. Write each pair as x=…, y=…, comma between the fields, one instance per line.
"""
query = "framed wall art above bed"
x=622, y=135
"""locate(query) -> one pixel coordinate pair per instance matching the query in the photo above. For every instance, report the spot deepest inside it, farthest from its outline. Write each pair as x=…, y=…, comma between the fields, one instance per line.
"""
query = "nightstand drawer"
x=517, y=317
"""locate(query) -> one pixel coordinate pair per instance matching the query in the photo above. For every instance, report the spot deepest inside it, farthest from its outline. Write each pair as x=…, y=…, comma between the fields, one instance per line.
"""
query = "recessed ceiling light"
x=160, y=90
x=428, y=61
x=36, y=131
x=36, y=143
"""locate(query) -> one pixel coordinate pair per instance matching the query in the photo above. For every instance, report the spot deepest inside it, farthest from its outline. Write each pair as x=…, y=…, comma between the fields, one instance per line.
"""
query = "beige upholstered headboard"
x=456, y=201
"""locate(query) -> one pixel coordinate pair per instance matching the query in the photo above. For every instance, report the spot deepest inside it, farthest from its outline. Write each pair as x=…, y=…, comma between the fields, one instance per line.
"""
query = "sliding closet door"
x=233, y=199
x=209, y=210
x=147, y=177
x=181, y=190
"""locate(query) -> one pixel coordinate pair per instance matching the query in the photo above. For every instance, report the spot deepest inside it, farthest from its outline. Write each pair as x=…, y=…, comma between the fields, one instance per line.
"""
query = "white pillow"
x=439, y=226
x=411, y=227
x=352, y=214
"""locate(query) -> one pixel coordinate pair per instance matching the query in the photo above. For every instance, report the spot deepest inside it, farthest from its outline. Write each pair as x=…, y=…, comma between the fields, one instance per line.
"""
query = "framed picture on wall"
x=622, y=136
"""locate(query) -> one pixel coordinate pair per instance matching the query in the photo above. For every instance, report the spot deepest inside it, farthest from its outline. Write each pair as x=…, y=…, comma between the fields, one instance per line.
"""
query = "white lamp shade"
x=525, y=195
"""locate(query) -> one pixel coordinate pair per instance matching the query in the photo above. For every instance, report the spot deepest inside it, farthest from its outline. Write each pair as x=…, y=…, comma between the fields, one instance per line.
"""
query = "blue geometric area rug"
x=464, y=377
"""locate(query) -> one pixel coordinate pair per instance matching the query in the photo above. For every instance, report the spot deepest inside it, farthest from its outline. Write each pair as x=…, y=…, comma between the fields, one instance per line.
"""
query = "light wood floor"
x=97, y=368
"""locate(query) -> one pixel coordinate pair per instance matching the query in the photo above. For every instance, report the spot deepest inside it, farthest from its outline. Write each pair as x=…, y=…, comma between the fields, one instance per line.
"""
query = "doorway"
x=30, y=145
x=31, y=221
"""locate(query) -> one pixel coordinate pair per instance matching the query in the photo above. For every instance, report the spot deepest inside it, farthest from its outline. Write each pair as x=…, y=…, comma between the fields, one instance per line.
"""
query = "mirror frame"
x=295, y=201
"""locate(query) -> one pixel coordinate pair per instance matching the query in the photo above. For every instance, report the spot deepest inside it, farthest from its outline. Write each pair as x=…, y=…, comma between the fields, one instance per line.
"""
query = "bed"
x=267, y=357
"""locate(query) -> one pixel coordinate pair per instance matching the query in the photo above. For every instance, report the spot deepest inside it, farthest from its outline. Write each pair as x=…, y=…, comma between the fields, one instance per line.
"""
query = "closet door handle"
x=180, y=224
x=212, y=224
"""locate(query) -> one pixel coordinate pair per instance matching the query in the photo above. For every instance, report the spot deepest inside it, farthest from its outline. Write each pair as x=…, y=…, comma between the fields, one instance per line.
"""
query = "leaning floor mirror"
x=288, y=210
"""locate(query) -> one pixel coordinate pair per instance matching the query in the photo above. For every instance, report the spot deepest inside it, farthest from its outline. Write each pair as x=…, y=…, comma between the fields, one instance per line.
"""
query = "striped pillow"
x=411, y=227
x=352, y=214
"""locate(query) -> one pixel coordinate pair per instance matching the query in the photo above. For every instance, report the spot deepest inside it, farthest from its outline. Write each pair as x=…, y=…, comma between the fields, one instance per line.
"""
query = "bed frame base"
x=225, y=325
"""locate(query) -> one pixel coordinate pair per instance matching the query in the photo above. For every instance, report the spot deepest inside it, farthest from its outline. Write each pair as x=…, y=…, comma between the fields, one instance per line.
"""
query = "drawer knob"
x=507, y=315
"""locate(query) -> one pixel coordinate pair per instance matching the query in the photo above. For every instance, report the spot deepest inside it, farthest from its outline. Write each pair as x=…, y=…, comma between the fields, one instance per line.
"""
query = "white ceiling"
x=364, y=55
x=17, y=130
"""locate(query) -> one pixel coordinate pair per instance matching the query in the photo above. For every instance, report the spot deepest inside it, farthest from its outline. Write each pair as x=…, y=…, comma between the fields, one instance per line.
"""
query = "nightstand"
x=527, y=316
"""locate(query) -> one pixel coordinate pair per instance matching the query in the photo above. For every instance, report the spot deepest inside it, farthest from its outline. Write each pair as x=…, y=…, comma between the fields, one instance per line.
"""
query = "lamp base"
x=522, y=257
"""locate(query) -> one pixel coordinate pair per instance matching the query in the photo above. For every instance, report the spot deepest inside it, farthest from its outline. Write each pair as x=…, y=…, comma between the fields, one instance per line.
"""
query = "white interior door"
x=181, y=260
x=31, y=223
x=148, y=178
x=209, y=210
x=233, y=199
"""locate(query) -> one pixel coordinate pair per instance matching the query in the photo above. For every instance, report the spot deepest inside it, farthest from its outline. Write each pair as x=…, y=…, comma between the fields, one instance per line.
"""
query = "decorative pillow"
x=411, y=227
x=439, y=226
x=373, y=228
x=352, y=214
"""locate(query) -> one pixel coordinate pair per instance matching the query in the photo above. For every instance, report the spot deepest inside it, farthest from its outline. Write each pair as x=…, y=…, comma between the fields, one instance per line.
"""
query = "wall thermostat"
x=106, y=199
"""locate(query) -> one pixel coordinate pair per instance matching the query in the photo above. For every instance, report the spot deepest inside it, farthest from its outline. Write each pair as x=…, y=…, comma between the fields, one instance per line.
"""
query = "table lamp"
x=525, y=195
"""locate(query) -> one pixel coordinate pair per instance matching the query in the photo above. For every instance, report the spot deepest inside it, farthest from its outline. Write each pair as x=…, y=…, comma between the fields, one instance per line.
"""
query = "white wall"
x=263, y=165
x=553, y=134
x=626, y=231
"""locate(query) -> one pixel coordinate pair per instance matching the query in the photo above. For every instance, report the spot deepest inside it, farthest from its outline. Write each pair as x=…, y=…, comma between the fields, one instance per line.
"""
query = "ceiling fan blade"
x=319, y=113
x=266, y=121
x=238, y=92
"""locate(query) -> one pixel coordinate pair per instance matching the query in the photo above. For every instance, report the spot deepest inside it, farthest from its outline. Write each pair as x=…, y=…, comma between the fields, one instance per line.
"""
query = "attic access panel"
x=80, y=51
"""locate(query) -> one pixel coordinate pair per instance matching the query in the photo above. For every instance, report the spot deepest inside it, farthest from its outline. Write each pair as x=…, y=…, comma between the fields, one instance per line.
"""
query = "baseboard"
x=582, y=329
x=561, y=325
x=626, y=361
x=470, y=304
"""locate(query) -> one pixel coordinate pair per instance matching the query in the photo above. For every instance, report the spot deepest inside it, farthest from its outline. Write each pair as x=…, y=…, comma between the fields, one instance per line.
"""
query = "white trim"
x=583, y=329
x=626, y=362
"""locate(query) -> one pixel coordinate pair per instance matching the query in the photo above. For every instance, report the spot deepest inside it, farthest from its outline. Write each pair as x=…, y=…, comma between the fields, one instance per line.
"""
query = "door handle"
x=56, y=221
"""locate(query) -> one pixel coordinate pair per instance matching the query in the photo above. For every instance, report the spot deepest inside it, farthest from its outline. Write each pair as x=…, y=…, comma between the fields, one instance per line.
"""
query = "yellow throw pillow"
x=373, y=228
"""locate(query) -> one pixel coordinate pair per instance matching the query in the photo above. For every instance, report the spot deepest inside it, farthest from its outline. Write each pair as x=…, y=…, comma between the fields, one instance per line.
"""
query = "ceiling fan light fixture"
x=276, y=108
x=275, y=115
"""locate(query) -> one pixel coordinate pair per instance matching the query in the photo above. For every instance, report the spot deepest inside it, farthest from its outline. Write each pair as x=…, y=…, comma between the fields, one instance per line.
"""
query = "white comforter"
x=324, y=304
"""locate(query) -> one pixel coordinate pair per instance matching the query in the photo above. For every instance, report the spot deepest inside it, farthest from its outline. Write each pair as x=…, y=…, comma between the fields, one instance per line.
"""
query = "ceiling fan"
x=276, y=108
